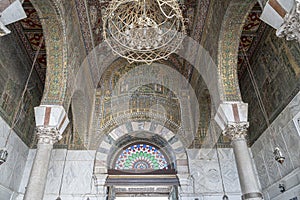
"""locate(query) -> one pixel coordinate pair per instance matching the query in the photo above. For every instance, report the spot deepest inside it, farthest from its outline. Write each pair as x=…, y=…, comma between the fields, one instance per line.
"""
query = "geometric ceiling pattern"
x=251, y=35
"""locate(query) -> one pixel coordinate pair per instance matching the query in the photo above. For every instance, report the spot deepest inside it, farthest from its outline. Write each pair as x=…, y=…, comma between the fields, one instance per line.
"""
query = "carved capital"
x=48, y=135
x=236, y=130
x=290, y=29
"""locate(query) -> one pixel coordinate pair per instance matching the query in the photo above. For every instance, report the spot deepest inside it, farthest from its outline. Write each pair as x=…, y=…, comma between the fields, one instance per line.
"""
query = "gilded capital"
x=236, y=130
x=290, y=29
x=48, y=135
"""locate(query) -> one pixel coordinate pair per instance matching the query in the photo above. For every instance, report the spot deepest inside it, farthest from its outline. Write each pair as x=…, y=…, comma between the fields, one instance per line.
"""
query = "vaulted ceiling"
x=196, y=13
x=90, y=17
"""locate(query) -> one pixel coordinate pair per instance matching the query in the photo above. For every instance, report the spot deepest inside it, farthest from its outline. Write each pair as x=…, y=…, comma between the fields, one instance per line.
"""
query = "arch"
x=197, y=57
x=80, y=120
x=149, y=129
x=162, y=75
x=52, y=12
x=229, y=39
x=82, y=106
x=101, y=58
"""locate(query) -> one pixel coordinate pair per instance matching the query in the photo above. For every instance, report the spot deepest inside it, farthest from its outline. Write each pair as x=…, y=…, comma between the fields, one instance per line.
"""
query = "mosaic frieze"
x=228, y=48
x=55, y=42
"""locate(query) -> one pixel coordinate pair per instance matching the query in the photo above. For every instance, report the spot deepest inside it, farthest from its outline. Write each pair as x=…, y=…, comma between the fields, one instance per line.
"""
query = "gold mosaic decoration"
x=228, y=48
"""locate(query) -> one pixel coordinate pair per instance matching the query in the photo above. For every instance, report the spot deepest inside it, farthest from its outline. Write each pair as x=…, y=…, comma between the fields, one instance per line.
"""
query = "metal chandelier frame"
x=144, y=30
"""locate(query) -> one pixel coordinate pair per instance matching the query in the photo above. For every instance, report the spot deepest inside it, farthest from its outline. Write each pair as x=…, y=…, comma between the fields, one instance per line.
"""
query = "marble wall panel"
x=77, y=177
x=230, y=177
x=287, y=166
x=27, y=171
x=271, y=164
x=74, y=168
x=292, y=141
x=218, y=197
x=262, y=170
x=74, y=197
x=205, y=170
x=12, y=169
x=55, y=171
x=284, y=134
x=5, y=193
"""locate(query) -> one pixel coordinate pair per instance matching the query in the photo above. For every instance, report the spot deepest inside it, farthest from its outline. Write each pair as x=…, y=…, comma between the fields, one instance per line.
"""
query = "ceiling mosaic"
x=90, y=13
x=30, y=32
x=252, y=33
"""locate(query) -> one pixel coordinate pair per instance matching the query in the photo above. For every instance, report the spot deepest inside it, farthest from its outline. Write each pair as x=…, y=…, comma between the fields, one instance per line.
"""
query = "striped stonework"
x=103, y=162
x=51, y=116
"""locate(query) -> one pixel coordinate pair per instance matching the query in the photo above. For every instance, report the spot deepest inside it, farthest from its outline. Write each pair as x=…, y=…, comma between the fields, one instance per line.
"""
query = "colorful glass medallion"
x=141, y=156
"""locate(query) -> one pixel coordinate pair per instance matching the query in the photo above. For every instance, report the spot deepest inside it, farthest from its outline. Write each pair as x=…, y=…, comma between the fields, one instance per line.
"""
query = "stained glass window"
x=141, y=156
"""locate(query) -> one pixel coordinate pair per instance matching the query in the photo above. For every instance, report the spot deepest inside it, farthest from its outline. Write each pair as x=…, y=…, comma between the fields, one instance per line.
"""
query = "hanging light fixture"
x=143, y=30
x=225, y=197
x=278, y=155
x=3, y=155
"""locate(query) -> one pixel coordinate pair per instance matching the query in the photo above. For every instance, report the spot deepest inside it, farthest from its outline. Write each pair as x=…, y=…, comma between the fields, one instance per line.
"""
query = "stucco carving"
x=48, y=135
x=236, y=130
x=290, y=29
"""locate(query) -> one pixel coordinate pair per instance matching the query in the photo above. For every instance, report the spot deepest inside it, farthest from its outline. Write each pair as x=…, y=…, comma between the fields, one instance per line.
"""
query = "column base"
x=252, y=196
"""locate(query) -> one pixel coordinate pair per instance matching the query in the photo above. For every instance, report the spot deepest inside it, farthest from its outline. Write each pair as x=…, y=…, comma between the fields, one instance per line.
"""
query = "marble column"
x=51, y=121
x=37, y=181
x=232, y=117
x=248, y=180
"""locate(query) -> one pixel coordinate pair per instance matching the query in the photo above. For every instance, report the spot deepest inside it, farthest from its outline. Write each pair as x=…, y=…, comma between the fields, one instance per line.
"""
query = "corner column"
x=232, y=118
x=51, y=121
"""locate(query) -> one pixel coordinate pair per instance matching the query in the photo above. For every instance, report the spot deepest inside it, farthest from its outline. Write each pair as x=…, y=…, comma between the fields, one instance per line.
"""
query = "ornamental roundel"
x=141, y=157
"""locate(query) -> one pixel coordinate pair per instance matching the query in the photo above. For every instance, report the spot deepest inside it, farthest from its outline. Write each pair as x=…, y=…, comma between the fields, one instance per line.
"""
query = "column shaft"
x=38, y=176
x=247, y=177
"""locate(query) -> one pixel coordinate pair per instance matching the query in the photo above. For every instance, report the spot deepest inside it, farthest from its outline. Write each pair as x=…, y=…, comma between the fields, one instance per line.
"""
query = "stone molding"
x=290, y=29
x=236, y=130
x=51, y=116
x=48, y=135
x=230, y=113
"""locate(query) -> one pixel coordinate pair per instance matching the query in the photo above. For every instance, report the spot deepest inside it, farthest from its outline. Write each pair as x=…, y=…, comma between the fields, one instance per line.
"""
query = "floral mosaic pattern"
x=141, y=157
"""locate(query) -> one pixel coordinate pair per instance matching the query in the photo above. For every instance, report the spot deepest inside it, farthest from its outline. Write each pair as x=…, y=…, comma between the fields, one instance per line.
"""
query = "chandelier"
x=143, y=30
